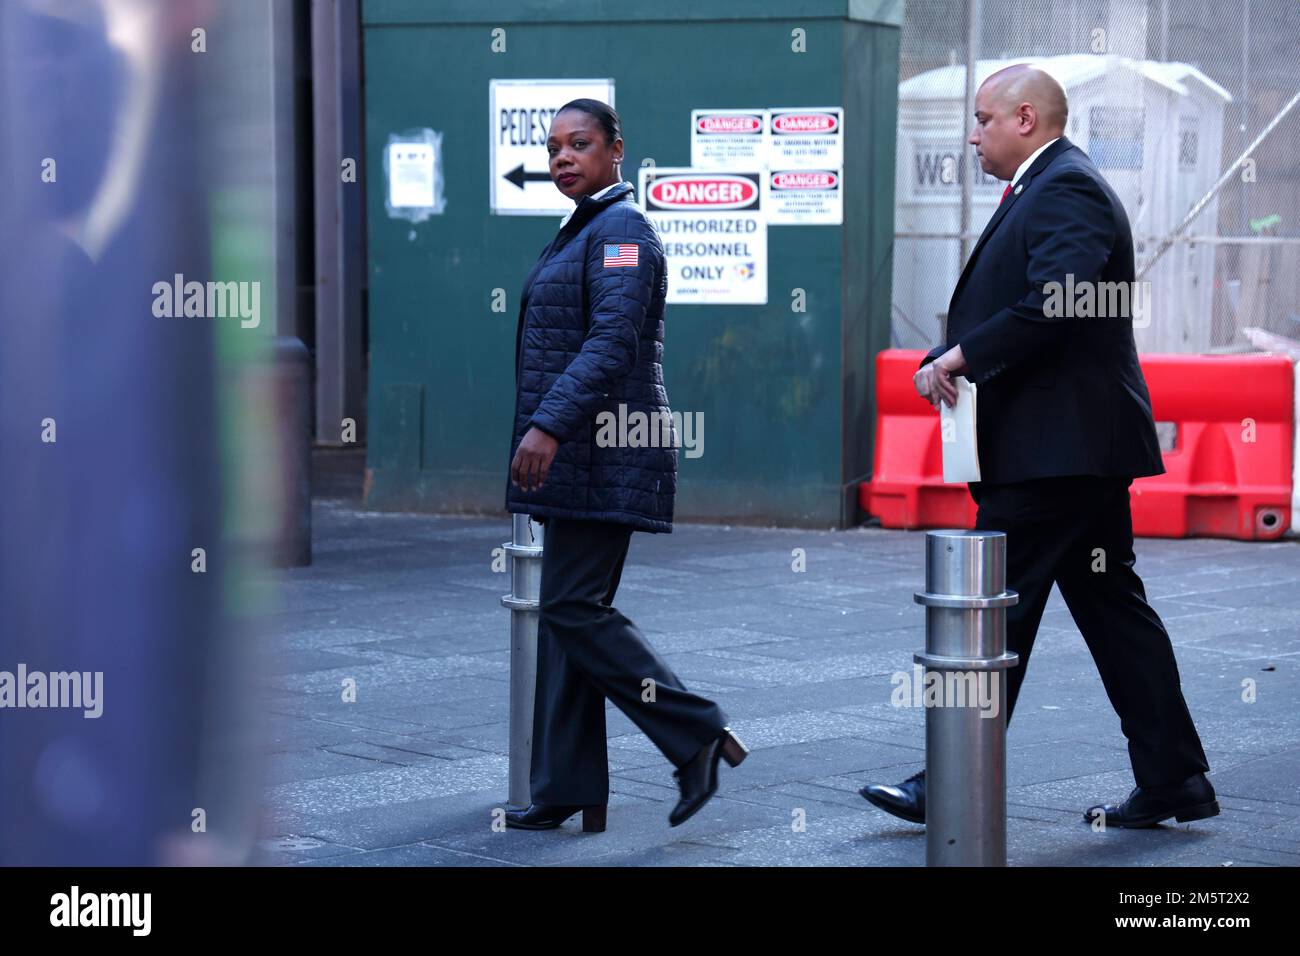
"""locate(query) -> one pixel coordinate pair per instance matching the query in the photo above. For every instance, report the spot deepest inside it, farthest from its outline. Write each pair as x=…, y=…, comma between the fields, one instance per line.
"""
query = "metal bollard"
x=291, y=382
x=526, y=588
x=965, y=602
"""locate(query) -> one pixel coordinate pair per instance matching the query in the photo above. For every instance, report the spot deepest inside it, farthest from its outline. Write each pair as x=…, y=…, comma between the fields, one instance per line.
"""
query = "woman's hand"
x=533, y=460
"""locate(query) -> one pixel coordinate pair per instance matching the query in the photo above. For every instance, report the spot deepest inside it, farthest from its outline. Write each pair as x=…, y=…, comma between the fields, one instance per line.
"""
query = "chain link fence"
x=1190, y=109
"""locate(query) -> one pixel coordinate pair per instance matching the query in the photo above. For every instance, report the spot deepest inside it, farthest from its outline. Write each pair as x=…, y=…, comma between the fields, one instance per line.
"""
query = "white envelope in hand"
x=961, y=457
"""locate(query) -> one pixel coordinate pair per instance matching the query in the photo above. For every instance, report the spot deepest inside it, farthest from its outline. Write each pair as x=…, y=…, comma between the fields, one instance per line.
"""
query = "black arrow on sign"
x=519, y=177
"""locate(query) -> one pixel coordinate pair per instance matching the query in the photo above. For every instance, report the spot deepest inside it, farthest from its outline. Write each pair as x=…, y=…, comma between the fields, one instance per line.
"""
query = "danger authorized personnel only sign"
x=714, y=233
x=519, y=120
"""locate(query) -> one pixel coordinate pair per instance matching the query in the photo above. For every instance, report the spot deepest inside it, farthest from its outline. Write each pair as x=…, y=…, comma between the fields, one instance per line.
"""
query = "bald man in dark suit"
x=1064, y=426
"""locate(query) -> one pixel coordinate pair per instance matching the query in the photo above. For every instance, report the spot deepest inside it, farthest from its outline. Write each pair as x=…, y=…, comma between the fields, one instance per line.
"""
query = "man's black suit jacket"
x=1058, y=395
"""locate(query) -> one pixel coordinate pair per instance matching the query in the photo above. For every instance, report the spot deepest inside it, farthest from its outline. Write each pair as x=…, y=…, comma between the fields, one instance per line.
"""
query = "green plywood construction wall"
x=786, y=397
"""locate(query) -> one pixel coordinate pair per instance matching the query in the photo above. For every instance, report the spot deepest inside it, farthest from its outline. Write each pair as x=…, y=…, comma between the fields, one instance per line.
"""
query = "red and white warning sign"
x=714, y=232
x=806, y=138
x=728, y=139
x=799, y=149
x=805, y=197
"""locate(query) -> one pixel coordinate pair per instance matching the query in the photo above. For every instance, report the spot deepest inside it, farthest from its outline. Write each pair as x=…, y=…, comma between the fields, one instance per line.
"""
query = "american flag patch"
x=622, y=254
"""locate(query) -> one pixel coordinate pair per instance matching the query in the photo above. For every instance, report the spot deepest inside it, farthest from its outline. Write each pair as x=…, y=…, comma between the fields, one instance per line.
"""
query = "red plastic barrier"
x=1227, y=475
x=907, y=488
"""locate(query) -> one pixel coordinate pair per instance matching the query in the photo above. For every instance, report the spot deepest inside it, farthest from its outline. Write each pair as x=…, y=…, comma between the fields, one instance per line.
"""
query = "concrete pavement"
x=407, y=606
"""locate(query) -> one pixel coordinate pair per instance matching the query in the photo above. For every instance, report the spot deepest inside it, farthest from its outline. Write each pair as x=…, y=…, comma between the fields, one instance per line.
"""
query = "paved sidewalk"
x=409, y=774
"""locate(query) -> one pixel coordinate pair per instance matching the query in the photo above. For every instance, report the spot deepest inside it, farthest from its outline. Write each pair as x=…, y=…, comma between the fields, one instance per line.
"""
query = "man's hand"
x=533, y=460
x=934, y=381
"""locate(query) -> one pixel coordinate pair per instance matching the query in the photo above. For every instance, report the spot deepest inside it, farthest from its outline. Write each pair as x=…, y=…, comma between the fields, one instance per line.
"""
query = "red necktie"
x=1004, y=193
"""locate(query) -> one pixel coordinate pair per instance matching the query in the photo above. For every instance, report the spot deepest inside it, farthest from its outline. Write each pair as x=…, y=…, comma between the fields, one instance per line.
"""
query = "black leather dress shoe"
x=698, y=780
x=541, y=816
x=1193, y=799
x=906, y=800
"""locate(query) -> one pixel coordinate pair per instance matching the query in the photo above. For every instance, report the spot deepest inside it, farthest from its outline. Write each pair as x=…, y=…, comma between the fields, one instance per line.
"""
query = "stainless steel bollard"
x=291, y=381
x=526, y=589
x=965, y=602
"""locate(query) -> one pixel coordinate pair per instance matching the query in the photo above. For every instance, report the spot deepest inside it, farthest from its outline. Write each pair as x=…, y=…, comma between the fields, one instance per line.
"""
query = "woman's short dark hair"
x=603, y=113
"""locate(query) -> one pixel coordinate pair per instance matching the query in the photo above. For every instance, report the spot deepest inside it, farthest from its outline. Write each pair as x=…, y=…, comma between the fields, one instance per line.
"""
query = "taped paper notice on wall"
x=413, y=168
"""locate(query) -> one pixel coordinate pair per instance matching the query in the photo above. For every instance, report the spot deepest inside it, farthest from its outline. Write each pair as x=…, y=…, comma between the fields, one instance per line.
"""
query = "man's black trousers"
x=1078, y=533
x=587, y=651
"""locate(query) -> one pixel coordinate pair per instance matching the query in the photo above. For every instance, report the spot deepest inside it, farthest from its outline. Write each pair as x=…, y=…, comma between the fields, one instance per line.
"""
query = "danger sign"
x=728, y=139
x=714, y=233
x=807, y=139
x=804, y=197
x=698, y=192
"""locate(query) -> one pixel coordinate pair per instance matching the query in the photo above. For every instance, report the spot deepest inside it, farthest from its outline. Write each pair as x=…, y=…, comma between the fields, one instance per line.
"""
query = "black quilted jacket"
x=590, y=338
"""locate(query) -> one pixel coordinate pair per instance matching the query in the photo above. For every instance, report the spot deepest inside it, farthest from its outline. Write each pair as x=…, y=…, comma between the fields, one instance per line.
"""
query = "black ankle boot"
x=542, y=816
x=698, y=780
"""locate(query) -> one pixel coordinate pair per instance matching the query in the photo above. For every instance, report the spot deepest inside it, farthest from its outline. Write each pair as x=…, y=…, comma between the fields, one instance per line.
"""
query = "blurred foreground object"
x=135, y=482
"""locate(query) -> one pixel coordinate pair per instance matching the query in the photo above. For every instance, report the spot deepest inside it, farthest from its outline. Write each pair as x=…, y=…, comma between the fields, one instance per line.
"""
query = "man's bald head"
x=1017, y=110
x=1017, y=85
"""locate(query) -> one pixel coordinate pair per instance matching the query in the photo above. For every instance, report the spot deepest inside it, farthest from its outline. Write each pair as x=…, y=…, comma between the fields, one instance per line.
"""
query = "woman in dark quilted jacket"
x=590, y=339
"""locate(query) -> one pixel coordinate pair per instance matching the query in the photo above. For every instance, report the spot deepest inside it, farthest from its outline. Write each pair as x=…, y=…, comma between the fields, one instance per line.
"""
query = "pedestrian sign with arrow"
x=519, y=118
x=519, y=176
